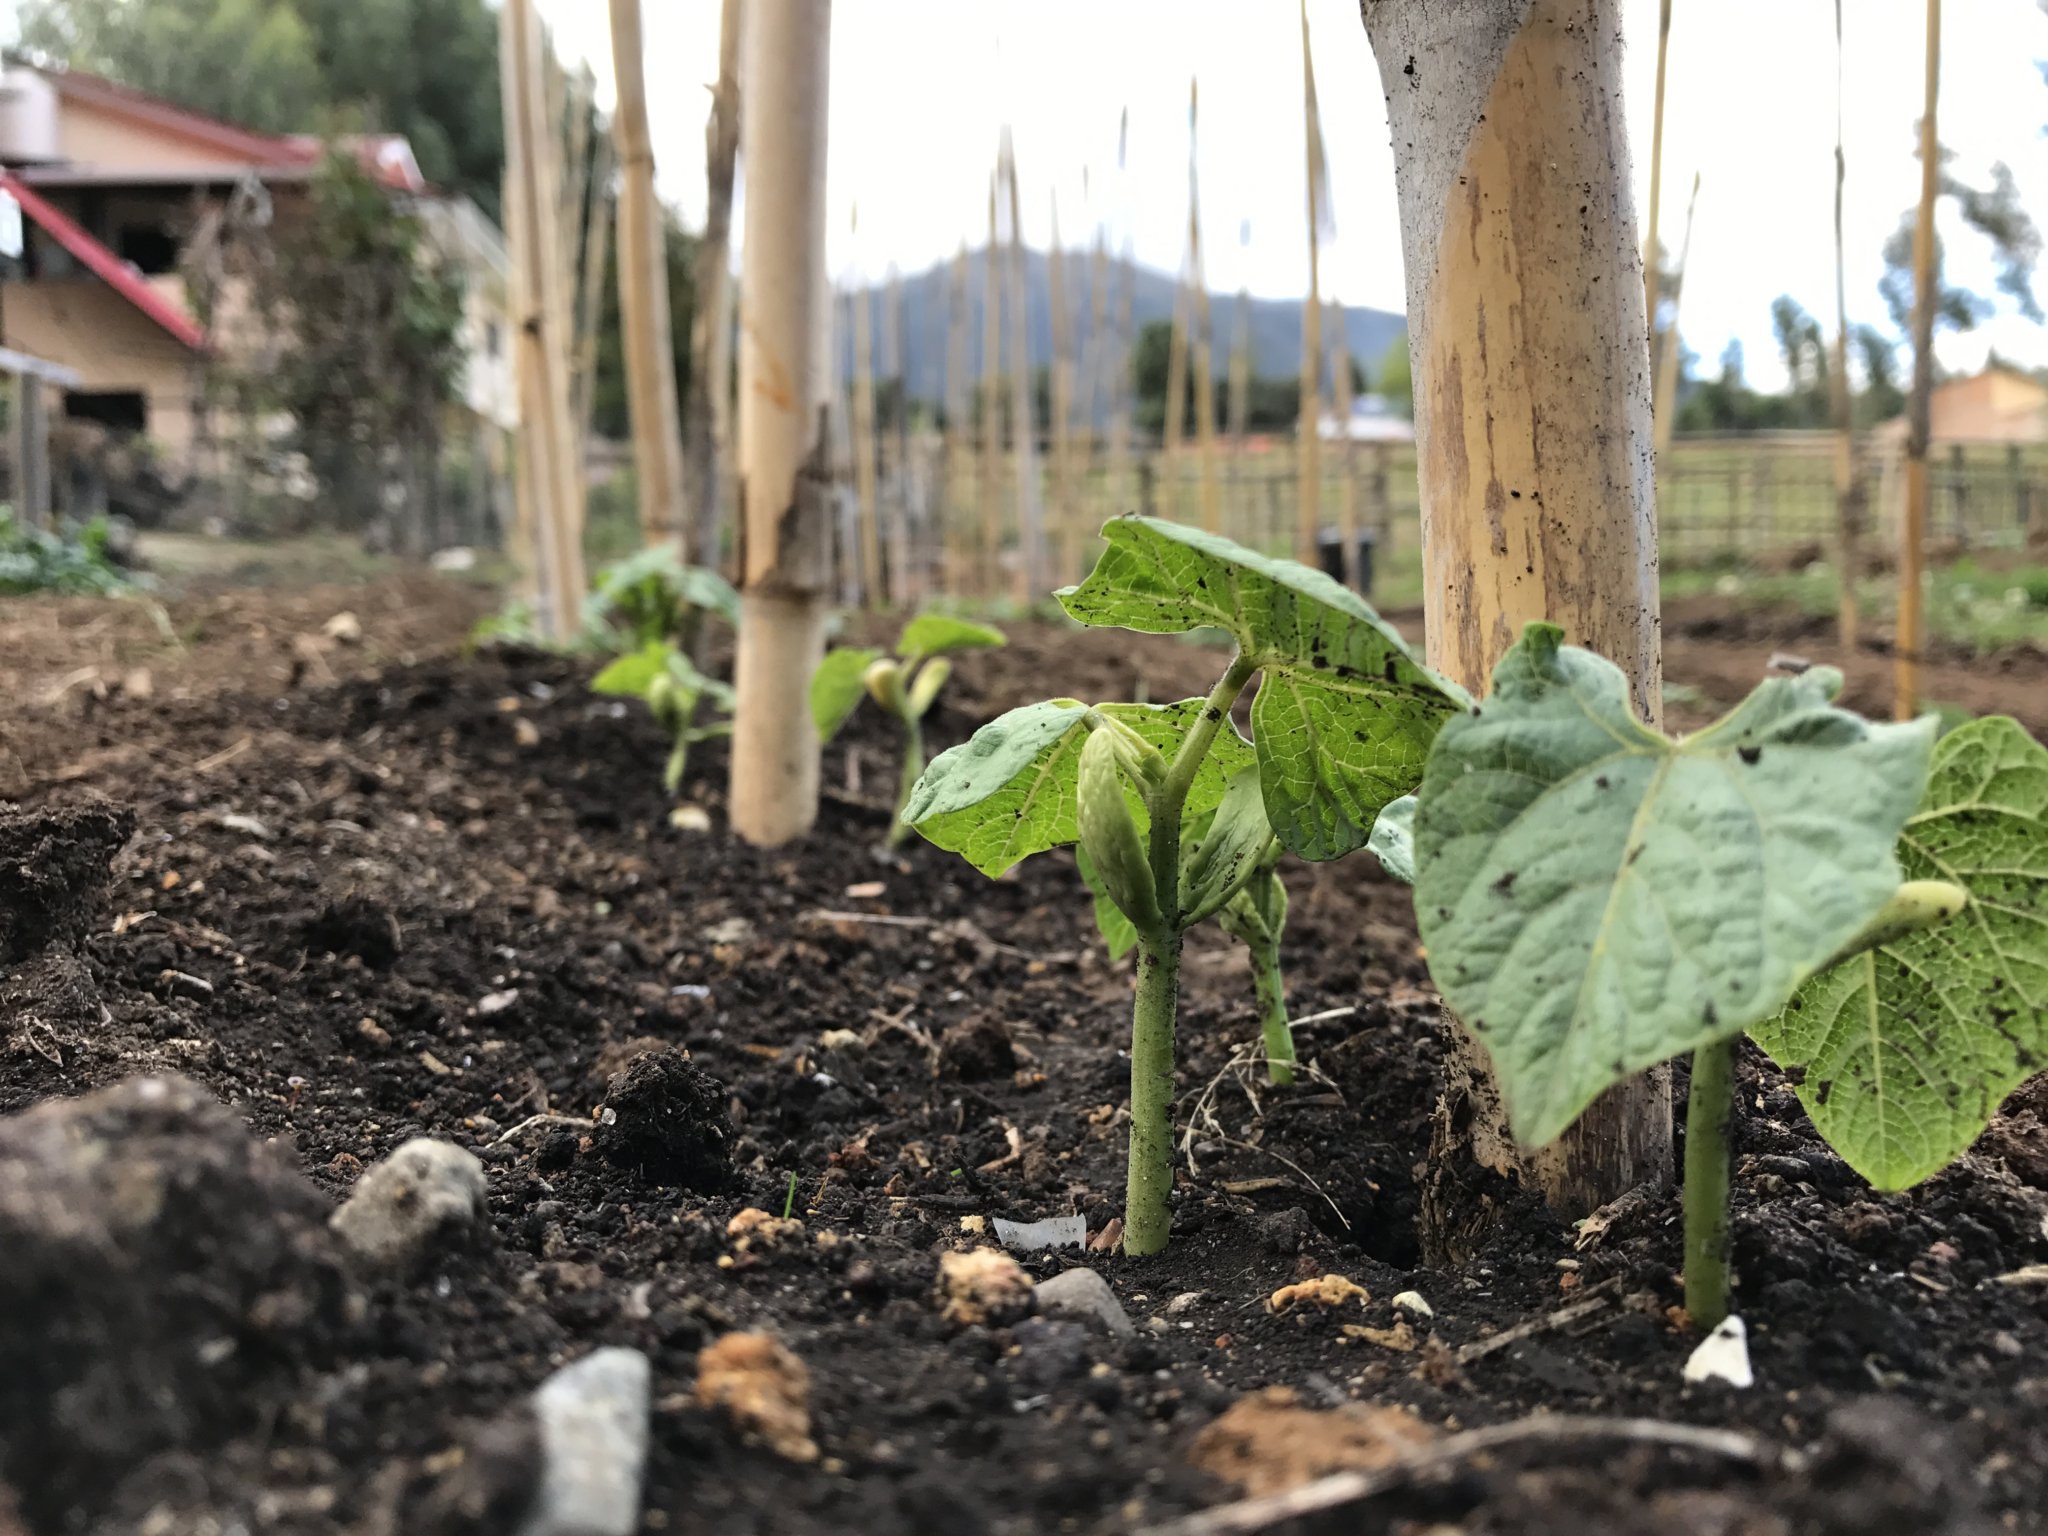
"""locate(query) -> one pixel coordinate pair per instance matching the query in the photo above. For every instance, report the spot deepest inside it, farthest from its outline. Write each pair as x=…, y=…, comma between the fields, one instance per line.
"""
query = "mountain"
x=1275, y=323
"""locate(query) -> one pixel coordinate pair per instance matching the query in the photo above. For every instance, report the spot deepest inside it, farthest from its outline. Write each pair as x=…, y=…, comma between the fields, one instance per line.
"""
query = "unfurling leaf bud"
x=926, y=683
x=1914, y=905
x=1145, y=763
x=884, y=679
x=1109, y=835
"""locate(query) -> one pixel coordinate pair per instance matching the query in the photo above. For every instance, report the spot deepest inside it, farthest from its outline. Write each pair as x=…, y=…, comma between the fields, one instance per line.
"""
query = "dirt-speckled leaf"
x=838, y=686
x=1596, y=897
x=936, y=634
x=1908, y=1050
x=1393, y=839
x=1008, y=791
x=1344, y=714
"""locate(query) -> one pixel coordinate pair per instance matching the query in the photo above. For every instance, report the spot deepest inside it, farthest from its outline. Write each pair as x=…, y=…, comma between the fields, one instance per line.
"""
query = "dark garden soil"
x=368, y=898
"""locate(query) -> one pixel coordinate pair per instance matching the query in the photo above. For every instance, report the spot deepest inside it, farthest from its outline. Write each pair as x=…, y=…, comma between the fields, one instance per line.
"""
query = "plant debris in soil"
x=396, y=913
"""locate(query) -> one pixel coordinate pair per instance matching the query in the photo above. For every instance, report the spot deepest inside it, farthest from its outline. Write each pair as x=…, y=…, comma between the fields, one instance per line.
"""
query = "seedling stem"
x=1709, y=1111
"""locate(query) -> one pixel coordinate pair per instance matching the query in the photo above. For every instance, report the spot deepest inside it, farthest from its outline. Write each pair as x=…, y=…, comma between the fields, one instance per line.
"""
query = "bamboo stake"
x=1117, y=359
x=707, y=410
x=1848, y=488
x=1205, y=376
x=1913, y=536
x=991, y=422
x=959, y=392
x=1174, y=427
x=526, y=546
x=1096, y=355
x=1347, y=450
x=1664, y=406
x=1240, y=370
x=590, y=268
x=1030, y=532
x=1308, y=456
x=1652, y=273
x=896, y=501
x=861, y=298
x=643, y=295
x=785, y=382
x=1066, y=515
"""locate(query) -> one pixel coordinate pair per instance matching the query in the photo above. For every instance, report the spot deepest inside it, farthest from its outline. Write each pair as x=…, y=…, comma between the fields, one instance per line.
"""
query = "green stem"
x=1148, y=1213
x=1708, y=1114
x=913, y=768
x=1269, y=984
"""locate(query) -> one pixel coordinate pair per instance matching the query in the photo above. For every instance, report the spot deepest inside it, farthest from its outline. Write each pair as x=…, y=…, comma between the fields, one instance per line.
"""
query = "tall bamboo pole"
x=707, y=425
x=643, y=295
x=785, y=379
x=529, y=544
x=1067, y=515
x=594, y=256
x=1347, y=450
x=1848, y=487
x=1533, y=446
x=1664, y=403
x=959, y=395
x=1308, y=453
x=1096, y=355
x=991, y=405
x=896, y=495
x=1117, y=359
x=1174, y=428
x=1240, y=375
x=1205, y=374
x=861, y=300
x=1913, y=536
x=1030, y=583
x=1653, y=275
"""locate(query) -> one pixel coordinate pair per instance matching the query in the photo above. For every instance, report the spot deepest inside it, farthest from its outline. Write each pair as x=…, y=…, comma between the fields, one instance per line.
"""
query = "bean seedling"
x=663, y=677
x=905, y=685
x=1173, y=810
x=1596, y=897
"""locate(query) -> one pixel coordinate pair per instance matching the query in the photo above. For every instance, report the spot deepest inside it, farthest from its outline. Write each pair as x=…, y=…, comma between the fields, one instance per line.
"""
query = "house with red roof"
x=103, y=192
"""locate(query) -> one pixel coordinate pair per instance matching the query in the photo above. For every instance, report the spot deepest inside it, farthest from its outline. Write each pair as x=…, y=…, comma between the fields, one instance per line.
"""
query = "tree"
x=425, y=68
x=1397, y=379
x=1805, y=351
x=1533, y=447
x=1993, y=212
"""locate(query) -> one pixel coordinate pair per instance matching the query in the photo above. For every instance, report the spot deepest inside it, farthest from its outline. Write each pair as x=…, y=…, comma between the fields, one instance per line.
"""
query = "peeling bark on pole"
x=1528, y=335
x=643, y=295
x=1919, y=406
x=706, y=427
x=785, y=380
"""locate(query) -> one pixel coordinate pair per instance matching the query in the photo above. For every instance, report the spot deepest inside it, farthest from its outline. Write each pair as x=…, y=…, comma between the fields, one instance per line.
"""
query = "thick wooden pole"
x=1848, y=485
x=707, y=427
x=1528, y=337
x=1308, y=453
x=1913, y=535
x=643, y=295
x=785, y=381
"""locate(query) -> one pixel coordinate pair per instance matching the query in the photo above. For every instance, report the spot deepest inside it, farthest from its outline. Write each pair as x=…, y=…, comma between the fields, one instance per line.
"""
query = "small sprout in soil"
x=661, y=675
x=1174, y=812
x=1595, y=898
x=905, y=685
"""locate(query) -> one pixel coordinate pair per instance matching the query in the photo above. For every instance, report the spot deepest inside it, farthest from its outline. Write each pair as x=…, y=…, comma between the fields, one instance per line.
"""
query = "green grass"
x=1971, y=602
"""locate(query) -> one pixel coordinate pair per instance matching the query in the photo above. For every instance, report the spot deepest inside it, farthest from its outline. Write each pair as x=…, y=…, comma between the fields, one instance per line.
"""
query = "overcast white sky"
x=920, y=89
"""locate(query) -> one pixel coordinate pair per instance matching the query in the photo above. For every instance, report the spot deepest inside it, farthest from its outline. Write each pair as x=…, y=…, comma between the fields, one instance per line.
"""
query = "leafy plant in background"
x=77, y=561
x=905, y=685
x=652, y=595
x=1175, y=812
x=662, y=676
x=1596, y=898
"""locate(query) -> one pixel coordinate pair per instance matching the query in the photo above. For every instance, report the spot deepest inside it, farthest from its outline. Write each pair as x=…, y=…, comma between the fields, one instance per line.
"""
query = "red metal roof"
x=104, y=264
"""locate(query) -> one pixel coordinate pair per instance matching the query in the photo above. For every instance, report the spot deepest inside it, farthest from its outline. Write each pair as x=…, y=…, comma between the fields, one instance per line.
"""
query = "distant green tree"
x=1397, y=379
x=1882, y=398
x=608, y=407
x=1993, y=212
x=1805, y=351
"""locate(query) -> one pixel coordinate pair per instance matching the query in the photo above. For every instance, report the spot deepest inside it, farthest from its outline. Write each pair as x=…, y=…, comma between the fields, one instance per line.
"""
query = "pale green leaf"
x=935, y=634
x=1596, y=898
x=1393, y=839
x=837, y=687
x=630, y=675
x=1119, y=933
x=1904, y=1053
x=1008, y=791
x=1215, y=865
x=1344, y=714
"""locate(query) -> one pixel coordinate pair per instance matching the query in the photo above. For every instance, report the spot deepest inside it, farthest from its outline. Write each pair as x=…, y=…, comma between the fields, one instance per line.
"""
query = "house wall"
x=90, y=135
x=85, y=325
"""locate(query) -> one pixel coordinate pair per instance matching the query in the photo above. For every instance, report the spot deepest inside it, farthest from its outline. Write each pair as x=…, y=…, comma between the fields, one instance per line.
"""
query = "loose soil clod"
x=664, y=1118
x=763, y=1388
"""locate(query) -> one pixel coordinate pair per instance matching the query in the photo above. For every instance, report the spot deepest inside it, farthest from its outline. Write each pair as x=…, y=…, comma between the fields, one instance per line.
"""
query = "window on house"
x=149, y=248
x=122, y=410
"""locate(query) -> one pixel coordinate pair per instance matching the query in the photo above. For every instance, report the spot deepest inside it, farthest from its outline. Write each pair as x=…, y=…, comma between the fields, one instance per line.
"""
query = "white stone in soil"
x=593, y=1434
x=1723, y=1355
x=424, y=1194
x=1083, y=1293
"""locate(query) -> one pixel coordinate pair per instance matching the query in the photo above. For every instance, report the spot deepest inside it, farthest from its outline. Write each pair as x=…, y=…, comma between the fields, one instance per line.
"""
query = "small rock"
x=762, y=1388
x=422, y=1196
x=690, y=818
x=983, y=1286
x=1084, y=1293
x=665, y=1118
x=841, y=1040
x=593, y=1436
x=374, y=1034
x=733, y=930
x=1323, y=1291
x=1411, y=1302
x=1186, y=1301
x=976, y=1050
x=497, y=1002
x=344, y=628
x=1049, y=1352
x=755, y=1231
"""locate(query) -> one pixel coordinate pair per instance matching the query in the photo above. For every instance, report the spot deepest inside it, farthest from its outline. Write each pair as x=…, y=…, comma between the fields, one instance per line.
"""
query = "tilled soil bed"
x=443, y=897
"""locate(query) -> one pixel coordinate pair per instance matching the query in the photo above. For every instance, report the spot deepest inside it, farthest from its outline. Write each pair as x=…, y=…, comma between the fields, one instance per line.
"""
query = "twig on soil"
x=1594, y=1300
x=953, y=925
x=1344, y=1488
x=225, y=756
x=546, y=1117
